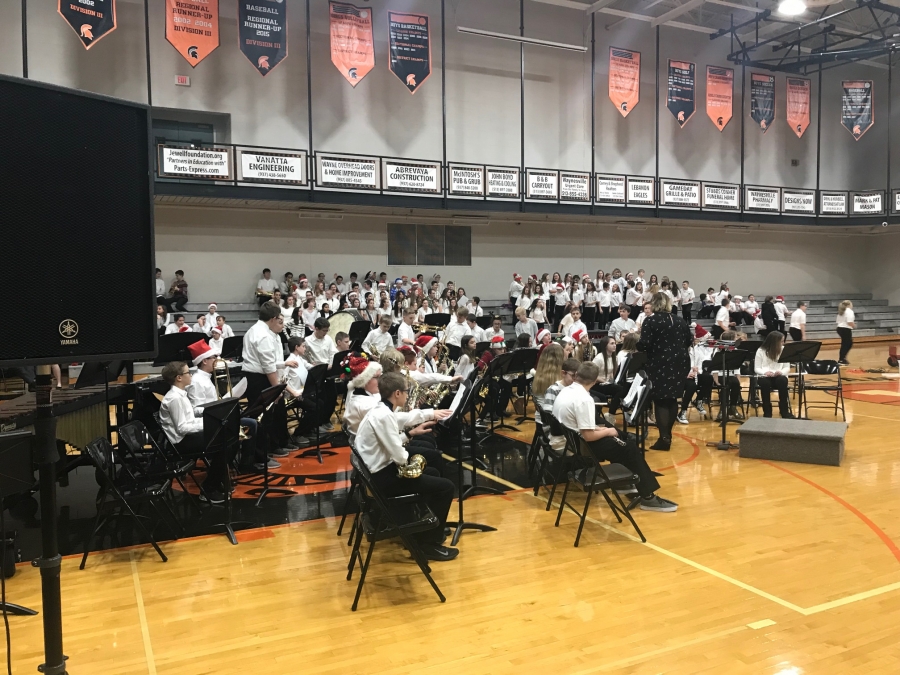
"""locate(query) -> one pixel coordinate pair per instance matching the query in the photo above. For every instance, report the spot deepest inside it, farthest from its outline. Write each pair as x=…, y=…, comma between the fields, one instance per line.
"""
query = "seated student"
x=523, y=341
x=266, y=287
x=647, y=311
x=773, y=375
x=224, y=327
x=606, y=385
x=160, y=288
x=295, y=372
x=698, y=382
x=524, y=324
x=707, y=303
x=212, y=314
x=500, y=390
x=629, y=347
x=200, y=326
x=320, y=347
x=475, y=330
x=735, y=398
x=738, y=314
x=494, y=331
x=723, y=319
x=380, y=444
x=574, y=325
x=466, y=363
x=178, y=325
x=379, y=339
x=553, y=373
x=543, y=339
x=215, y=341
x=457, y=327
x=622, y=326
x=184, y=430
x=162, y=319
x=178, y=292
x=584, y=348
x=342, y=341
x=575, y=409
x=406, y=334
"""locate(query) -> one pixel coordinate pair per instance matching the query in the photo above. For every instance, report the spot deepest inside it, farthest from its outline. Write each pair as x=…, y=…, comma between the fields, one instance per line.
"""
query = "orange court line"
x=690, y=459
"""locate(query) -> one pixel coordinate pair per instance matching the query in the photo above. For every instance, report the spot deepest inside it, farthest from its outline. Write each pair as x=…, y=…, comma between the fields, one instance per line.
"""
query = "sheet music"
x=460, y=395
x=636, y=386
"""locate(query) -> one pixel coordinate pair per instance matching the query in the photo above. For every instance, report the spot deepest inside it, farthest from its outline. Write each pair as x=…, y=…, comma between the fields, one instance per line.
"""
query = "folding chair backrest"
x=576, y=443
x=556, y=428
x=821, y=368
x=101, y=453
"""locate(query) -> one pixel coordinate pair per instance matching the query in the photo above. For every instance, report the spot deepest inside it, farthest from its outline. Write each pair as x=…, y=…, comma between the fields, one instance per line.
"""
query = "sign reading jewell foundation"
x=719, y=95
x=90, y=19
x=192, y=27
x=262, y=33
x=409, y=40
x=273, y=167
x=624, y=79
x=352, y=44
x=206, y=163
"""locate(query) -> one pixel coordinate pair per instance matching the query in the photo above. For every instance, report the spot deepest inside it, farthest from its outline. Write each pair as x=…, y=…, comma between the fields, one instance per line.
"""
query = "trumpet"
x=427, y=328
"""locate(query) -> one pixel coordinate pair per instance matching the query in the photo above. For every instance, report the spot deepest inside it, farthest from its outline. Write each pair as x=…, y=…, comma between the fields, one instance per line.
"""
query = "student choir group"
x=401, y=357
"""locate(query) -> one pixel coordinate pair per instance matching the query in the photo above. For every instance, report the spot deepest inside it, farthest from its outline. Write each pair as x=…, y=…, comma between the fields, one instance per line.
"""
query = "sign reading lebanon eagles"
x=719, y=95
x=410, y=47
x=798, y=104
x=192, y=27
x=624, y=79
x=762, y=100
x=90, y=19
x=682, y=89
x=352, y=43
x=857, y=114
x=262, y=32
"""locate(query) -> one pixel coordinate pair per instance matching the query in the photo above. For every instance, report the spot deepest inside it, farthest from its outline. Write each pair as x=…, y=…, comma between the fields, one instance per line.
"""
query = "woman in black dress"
x=666, y=339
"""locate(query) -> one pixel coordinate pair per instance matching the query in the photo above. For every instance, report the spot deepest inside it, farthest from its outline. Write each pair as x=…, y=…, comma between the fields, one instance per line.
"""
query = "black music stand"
x=523, y=361
x=101, y=372
x=358, y=332
x=634, y=366
x=16, y=477
x=498, y=367
x=233, y=348
x=174, y=347
x=267, y=398
x=481, y=348
x=221, y=431
x=336, y=373
x=473, y=439
x=467, y=403
x=799, y=354
x=484, y=322
x=727, y=362
x=315, y=382
x=437, y=320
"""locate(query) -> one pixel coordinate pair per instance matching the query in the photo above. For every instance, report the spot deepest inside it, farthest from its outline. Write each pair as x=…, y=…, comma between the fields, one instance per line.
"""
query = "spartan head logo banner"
x=262, y=33
x=857, y=111
x=352, y=42
x=192, y=27
x=410, y=47
x=719, y=95
x=762, y=100
x=798, y=90
x=624, y=79
x=90, y=19
x=681, y=99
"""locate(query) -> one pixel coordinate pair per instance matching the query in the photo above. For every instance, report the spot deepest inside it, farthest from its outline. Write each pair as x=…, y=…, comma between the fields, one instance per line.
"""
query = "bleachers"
x=239, y=315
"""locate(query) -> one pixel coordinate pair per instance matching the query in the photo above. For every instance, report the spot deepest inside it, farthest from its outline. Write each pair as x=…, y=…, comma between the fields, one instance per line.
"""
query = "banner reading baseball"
x=90, y=19
x=410, y=48
x=262, y=32
x=681, y=99
x=719, y=95
x=192, y=27
x=352, y=43
x=762, y=100
x=857, y=113
x=798, y=90
x=624, y=79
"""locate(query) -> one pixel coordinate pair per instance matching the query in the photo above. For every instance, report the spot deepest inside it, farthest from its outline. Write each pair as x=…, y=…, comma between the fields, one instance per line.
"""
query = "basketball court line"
x=142, y=616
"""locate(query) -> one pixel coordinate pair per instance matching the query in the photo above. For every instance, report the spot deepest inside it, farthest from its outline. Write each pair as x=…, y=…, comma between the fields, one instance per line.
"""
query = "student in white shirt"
x=474, y=307
x=475, y=330
x=623, y=325
x=591, y=304
x=616, y=300
x=686, y=298
x=462, y=298
x=457, y=328
x=160, y=288
x=723, y=319
x=406, y=334
x=309, y=313
x=494, y=330
x=634, y=297
x=525, y=299
x=750, y=305
x=773, y=375
x=200, y=326
x=466, y=363
x=379, y=339
x=647, y=311
x=780, y=313
x=798, y=322
x=223, y=327
x=295, y=373
x=723, y=293
x=266, y=287
x=524, y=324
x=211, y=315
x=321, y=348
x=846, y=322
x=604, y=305
x=178, y=325
x=539, y=313
x=561, y=300
x=515, y=289
x=163, y=319
x=215, y=341
x=576, y=325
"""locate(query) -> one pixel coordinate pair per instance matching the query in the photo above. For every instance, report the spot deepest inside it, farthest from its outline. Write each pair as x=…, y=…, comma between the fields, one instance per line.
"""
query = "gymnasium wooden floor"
x=767, y=568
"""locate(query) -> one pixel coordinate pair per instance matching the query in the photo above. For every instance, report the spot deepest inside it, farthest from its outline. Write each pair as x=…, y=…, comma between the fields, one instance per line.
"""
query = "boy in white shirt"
x=406, y=334
x=780, y=312
x=576, y=323
x=524, y=324
x=457, y=328
x=266, y=287
x=200, y=326
x=723, y=319
x=686, y=298
x=475, y=330
x=224, y=328
x=380, y=339
x=211, y=316
x=798, y=322
x=515, y=289
x=623, y=325
x=494, y=330
x=178, y=325
x=320, y=345
x=474, y=307
x=215, y=340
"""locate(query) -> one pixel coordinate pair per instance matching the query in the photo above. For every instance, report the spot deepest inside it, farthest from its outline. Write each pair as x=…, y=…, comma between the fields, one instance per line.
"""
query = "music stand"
x=100, y=372
x=174, y=347
x=485, y=321
x=800, y=353
x=358, y=332
x=523, y=361
x=727, y=362
x=498, y=367
x=481, y=348
x=16, y=477
x=315, y=382
x=437, y=320
x=221, y=431
x=233, y=348
x=266, y=399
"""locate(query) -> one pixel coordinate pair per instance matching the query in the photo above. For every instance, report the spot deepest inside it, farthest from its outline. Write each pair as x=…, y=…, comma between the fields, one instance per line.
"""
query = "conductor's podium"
x=806, y=441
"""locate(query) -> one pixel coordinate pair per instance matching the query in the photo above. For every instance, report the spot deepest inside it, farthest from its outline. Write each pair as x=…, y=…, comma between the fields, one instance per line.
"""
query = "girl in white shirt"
x=773, y=375
x=634, y=296
x=467, y=359
x=846, y=322
x=423, y=311
x=525, y=298
x=576, y=295
x=461, y=297
x=616, y=300
x=539, y=313
x=591, y=300
x=561, y=300
x=604, y=302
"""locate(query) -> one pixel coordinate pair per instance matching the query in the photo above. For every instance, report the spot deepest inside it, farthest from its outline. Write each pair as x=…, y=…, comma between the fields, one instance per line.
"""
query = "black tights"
x=666, y=411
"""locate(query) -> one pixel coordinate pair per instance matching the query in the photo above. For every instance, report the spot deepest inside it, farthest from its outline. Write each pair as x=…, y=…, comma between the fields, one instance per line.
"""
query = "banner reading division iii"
x=192, y=27
x=719, y=95
x=90, y=19
x=410, y=47
x=681, y=99
x=798, y=104
x=262, y=32
x=762, y=100
x=857, y=114
x=352, y=44
x=624, y=79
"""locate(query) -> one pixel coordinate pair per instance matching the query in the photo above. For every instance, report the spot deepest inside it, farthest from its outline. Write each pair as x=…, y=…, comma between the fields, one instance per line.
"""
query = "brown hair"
x=172, y=370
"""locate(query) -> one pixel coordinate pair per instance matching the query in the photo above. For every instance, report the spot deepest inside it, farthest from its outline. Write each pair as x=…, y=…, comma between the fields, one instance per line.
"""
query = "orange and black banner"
x=192, y=27
x=410, y=46
x=89, y=21
x=262, y=32
x=857, y=111
x=624, y=79
x=762, y=100
x=798, y=90
x=681, y=99
x=352, y=43
x=719, y=95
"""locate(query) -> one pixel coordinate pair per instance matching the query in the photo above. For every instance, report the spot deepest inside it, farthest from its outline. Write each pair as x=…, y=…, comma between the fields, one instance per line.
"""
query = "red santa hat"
x=578, y=334
x=425, y=342
x=200, y=351
x=586, y=276
x=213, y=305
x=534, y=276
x=560, y=286
x=779, y=298
x=497, y=341
x=700, y=331
x=542, y=333
x=184, y=329
x=517, y=276
x=406, y=350
x=360, y=370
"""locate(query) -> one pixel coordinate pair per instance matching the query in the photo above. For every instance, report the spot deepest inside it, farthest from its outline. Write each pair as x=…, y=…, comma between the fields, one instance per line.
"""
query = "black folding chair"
x=597, y=477
x=820, y=372
x=351, y=502
x=555, y=463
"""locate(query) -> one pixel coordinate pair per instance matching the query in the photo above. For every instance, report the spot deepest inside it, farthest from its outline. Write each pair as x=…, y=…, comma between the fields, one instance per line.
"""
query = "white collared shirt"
x=405, y=332
x=160, y=288
x=262, y=349
x=379, y=441
x=266, y=285
x=620, y=326
x=798, y=319
x=176, y=416
x=477, y=332
x=356, y=406
x=763, y=364
x=377, y=340
x=174, y=328
x=320, y=351
x=201, y=391
x=226, y=331
x=455, y=331
x=295, y=376
x=475, y=310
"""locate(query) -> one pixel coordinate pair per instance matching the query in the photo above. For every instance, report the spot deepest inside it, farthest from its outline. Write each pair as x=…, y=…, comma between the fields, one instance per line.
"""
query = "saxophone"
x=412, y=392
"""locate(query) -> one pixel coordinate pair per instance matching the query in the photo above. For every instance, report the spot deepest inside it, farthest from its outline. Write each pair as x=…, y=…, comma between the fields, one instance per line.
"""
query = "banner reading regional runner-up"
x=762, y=100
x=681, y=99
x=719, y=95
x=192, y=27
x=262, y=32
x=857, y=113
x=798, y=104
x=624, y=79
x=410, y=48
x=90, y=20
x=352, y=43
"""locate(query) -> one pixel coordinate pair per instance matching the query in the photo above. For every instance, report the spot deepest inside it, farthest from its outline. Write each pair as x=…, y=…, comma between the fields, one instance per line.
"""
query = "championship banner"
x=762, y=100
x=719, y=95
x=624, y=79
x=857, y=113
x=410, y=47
x=262, y=32
x=681, y=99
x=90, y=19
x=192, y=27
x=352, y=43
x=798, y=90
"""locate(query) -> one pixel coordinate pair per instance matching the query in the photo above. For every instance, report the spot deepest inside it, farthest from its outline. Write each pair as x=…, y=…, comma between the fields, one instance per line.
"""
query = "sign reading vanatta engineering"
x=574, y=187
x=415, y=177
x=502, y=182
x=205, y=163
x=542, y=184
x=867, y=203
x=798, y=202
x=192, y=27
x=273, y=167
x=90, y=19
x=262, y=32
x=466, y=180
x=610, y=189
x=679, y=193
x=832, y=203
x=348, y=172
x=640, y=191
x=762, y=199
x=721, y=197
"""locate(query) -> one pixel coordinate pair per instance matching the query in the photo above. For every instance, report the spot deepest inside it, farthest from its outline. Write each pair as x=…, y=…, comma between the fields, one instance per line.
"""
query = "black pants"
x=780, y=384
x=629, y=456
x=590, y=316
x=735, y=398
x=550, y=310
x=272, y=432
x=605, y=318
x=716, y=331
x=666, y=410
x=796, y=334
x=633, y=311
x=194, y=444
x=707, y=312
x=686, y=313
x=558, y=313
x=741, y=318
x=498, y=396
x=846, y=341
x=176, y=301
x=613, y=392
x=702, y=387
x=436, y=491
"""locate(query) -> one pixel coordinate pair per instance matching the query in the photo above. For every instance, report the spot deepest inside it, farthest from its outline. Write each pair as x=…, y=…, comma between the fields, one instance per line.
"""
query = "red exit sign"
x=183, y=80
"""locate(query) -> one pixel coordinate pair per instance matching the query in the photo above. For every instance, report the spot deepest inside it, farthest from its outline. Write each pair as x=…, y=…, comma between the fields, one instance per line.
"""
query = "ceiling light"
x=791, y=7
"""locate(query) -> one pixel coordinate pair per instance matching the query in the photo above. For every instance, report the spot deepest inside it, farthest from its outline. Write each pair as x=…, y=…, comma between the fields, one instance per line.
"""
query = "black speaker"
x=76, y=207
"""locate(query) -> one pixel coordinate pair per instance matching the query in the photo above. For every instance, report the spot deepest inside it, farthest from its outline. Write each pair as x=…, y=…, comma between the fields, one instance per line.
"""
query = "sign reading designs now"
x=800, y=202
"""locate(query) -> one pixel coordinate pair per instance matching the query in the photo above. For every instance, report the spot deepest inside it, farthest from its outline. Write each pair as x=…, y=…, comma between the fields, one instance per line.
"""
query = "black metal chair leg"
x=363, y=568
x=587, y=503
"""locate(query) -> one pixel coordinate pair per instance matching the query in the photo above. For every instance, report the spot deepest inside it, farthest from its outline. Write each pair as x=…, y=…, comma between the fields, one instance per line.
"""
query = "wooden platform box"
x=806, y=441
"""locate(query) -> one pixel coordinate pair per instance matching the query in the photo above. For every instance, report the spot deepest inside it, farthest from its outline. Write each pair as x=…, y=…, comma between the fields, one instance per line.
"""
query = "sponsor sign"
x=800, y=202
x=205, y=163
x=867, y=203
x=833, y=203
x=721, y=197
x=502, y=182
x=542, y=184
x=466, y=180
x=348, y=171
x=610, y=189
x=273, y=167
x=640, y=191
x=574, y=187
x=682, y=193
x=762, y=199
x=406, y=176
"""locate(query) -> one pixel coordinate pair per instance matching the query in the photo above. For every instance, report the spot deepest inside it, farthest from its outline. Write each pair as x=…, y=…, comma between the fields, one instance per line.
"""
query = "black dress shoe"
x=662, y=444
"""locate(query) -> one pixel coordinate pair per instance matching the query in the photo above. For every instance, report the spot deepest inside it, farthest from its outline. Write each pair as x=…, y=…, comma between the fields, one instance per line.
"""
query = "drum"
x=341, y=321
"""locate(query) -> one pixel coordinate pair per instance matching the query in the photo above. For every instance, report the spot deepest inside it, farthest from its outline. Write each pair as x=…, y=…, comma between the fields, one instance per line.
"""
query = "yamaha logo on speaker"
x=68, y=330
